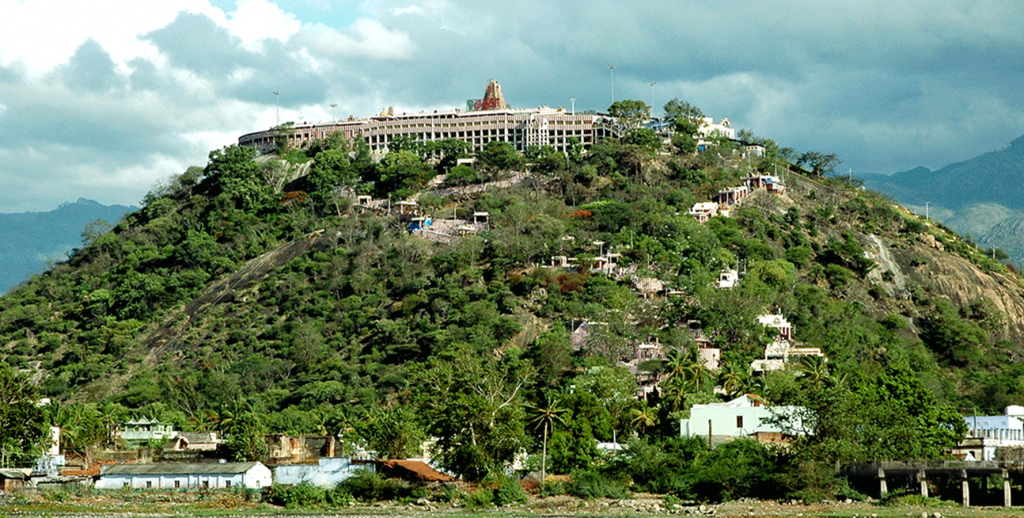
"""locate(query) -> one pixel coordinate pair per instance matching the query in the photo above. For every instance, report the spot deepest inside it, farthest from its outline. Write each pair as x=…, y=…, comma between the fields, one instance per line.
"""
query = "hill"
x=973, y=197
x=31, y=241
x=247, y=297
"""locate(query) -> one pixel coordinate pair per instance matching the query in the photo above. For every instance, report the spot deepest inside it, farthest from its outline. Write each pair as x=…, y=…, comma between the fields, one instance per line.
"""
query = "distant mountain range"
x=982, y=197
x=30, y=241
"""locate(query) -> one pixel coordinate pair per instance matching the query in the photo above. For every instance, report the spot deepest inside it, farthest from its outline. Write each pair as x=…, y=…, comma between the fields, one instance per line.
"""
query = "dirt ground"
x=214, y=503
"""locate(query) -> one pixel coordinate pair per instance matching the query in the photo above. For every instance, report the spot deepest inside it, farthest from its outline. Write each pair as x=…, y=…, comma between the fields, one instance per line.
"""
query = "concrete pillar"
x=924, y=483
x=883, y=489
x=1007, y=499
x=966, y=488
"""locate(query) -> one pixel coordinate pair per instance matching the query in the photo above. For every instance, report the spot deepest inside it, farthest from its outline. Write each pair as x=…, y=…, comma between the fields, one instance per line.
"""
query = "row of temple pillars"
x=923, y=481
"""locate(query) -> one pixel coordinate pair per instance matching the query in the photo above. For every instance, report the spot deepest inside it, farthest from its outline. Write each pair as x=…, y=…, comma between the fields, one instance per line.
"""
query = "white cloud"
x=412, y=9
x=366, y=38
x=256, y=20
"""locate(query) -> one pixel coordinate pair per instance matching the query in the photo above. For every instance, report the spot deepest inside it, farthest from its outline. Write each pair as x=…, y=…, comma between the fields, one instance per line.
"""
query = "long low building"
x=493, y=121
x=173, y=475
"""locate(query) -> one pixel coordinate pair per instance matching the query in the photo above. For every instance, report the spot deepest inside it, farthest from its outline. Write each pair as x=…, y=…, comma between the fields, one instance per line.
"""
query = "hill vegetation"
x=247, y=298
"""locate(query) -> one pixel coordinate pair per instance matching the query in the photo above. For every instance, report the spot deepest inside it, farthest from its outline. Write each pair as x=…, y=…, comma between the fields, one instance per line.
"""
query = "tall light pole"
x=572, y=101
x=611, y=69
x=333, y=106
x=277, y=108
x=652, y=97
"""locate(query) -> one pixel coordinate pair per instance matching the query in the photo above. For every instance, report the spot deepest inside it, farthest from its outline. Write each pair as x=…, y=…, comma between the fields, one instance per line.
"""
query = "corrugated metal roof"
x=180, y=468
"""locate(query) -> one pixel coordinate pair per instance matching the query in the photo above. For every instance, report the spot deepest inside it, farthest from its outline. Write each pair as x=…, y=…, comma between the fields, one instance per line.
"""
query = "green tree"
x=473, y=405
x=234, y=171
x=393, y=432
x=676, y=109
x=820, y=163
x=23, y=430
x=246, y=437
x=630, y=112
x=499, y=156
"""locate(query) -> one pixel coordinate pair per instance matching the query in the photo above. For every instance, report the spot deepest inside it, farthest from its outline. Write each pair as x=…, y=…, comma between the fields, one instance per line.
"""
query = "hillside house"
x=732, y=195
x=744, y=417
x=704, y=211
x=781, y=350
x=772, y=184
x=144, y=431
x=175, y=475
x=728, y=279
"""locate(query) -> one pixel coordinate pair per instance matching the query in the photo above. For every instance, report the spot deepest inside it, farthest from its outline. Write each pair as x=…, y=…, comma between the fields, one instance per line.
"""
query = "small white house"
x=742, y=417
x=173, y=475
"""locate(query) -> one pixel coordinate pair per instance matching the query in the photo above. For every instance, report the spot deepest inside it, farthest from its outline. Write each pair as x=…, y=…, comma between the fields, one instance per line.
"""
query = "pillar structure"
x=924, y=483
x=966, y=488
x=883, y=489
x=1007, y=498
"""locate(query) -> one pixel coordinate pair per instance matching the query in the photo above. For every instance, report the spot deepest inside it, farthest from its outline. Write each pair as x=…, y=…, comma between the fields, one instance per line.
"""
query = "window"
x=149, y=484
x=206, y=483
x=227, y=483
x=739, y=421
x=126, y=484
x=177, y=484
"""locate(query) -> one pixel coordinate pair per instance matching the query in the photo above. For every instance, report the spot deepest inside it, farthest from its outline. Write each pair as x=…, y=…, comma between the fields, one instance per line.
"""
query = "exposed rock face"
x=962, y=282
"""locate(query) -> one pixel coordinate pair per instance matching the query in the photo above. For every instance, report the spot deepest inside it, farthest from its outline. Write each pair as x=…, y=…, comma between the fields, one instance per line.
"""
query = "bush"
x=302, y=495
x=509, y=492
x=593, y=484
x=482, y=497
x=370, y=486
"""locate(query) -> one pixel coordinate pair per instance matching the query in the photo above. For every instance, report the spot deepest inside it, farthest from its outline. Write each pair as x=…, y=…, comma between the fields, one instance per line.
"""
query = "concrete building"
x=327, y=472
x=986, y=434
x=488, y=121
x=173, y=475
x=145, y=430
x=743, y=417
x=781, y=350
x=704, y=211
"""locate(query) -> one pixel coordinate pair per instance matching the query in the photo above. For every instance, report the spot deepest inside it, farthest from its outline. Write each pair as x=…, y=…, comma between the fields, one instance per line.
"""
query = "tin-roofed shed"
x=173, y=475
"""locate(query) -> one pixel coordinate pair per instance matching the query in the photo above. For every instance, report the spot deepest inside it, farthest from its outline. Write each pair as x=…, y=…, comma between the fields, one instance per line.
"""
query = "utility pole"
x=611, y=69
x=333, y=106
x=277, y=109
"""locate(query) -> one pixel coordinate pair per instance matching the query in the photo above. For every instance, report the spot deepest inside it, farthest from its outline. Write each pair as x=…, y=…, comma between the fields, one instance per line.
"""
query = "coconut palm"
x=545, y=414
x=643, y=417
x=733, y=379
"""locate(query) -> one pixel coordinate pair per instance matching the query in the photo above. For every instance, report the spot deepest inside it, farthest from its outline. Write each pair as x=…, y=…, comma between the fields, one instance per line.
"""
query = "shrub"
x=510, y=491
x=482, y=497
x=370, y=486
x=593, y=484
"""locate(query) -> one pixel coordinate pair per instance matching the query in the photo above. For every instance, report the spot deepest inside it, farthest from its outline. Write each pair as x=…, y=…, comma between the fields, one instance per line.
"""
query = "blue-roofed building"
x=986, y=434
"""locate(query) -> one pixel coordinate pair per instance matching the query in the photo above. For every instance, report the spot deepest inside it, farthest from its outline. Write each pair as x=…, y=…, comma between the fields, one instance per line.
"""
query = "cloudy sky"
x=102, y=99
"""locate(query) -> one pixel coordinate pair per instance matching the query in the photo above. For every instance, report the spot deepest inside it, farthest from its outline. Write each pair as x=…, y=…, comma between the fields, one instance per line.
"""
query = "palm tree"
x=696, y=374
x=733, y=379
x=643, y=416
x=815, y=371
x=544, y=414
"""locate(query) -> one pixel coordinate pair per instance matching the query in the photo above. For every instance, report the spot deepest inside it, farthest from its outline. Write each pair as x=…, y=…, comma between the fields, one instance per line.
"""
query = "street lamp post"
x=572, y=102
x=652, y=97
x=333, y=106
x=611, y=69
x=277, y=108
